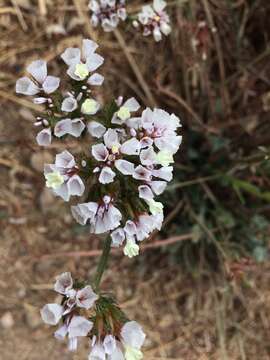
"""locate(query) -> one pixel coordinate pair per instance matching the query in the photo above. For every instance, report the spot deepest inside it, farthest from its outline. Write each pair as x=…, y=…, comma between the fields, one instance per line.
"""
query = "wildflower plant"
x=127, y=165
x=151, y=20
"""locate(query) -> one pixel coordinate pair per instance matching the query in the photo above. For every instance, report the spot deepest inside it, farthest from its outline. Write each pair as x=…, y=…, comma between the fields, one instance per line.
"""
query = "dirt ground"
x=206, y=317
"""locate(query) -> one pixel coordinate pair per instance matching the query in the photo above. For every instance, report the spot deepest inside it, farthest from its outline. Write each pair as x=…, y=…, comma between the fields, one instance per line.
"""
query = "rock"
x=7, y=321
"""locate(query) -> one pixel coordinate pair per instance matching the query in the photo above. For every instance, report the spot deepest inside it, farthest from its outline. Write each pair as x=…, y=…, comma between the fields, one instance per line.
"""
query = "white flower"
x=132, y=338
x=78, y=326
x=72, y=127
x=103, y=217
x=62, y=176
x=81, y=64
x=63, y=283
x=107, y=12
x=125, y=110
x=161, y=128
x=42, y=82
x=154, y=19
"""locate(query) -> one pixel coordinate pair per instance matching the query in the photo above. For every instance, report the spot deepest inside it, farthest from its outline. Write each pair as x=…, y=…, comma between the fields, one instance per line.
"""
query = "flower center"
x=81, y=71
x=54, y=180
x=123, y=113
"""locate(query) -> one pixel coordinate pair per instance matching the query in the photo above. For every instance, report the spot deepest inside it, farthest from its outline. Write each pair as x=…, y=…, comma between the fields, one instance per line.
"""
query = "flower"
x=62, y=176
x=125, y=110
x=72, y=127
x=82, y=63
x=74, y=298
x=127, y=345
x=154, y=20
x=74, y=327
x=108, y=13
x=103, y=216
x=41, y=81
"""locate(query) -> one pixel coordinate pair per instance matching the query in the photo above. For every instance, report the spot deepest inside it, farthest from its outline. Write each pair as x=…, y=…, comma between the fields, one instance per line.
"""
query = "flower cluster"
x=151, y=19
x=108, y=13
x=129, y=161
x=83, y=313
x=131, y=164
x=154, y=20
x=65, y=112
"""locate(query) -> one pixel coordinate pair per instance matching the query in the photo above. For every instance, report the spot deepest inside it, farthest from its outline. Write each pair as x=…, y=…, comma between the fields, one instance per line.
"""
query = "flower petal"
x=26, y=86
x=44, y=137
x=86, y=297
x=69, y=104
x=94, y=61
x=95, y=80
x=50, y=84
x=63, y=283
x=96, y=129
x=106, y=175
x=75, y=185
x=71, y=56
x=38, y=69
x=100, y=152
x=133, y=334
x=51, y=313
x=124, y=166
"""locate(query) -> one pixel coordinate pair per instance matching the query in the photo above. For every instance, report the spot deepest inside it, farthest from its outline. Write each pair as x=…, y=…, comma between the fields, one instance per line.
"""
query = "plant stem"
x=103, y=261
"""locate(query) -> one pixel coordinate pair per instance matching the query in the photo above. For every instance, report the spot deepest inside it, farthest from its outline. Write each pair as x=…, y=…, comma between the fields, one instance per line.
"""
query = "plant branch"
x=103, y=261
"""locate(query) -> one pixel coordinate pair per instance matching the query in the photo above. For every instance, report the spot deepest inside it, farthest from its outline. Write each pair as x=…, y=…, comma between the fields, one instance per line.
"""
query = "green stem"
x=103, y=261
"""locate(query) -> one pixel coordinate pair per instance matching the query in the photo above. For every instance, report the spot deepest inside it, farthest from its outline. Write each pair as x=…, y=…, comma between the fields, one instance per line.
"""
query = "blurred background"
x=201, y=286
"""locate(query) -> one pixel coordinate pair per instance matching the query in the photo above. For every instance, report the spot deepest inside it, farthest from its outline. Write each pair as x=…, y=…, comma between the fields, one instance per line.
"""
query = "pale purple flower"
x=72, y=127
x=41, y=81
x=62, y=176
x=108, y=13
x=125, y=110
x=74, y=327
x=102, y=216
x=63, y=283
x=154, y=20
x=82, y=63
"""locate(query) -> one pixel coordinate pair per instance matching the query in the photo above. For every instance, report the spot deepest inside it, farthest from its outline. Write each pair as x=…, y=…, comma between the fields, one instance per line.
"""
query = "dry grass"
x=207, y=317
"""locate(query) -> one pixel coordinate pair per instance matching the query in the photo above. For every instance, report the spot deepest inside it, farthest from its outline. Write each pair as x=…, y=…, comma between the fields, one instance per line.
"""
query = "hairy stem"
x=103, y=261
